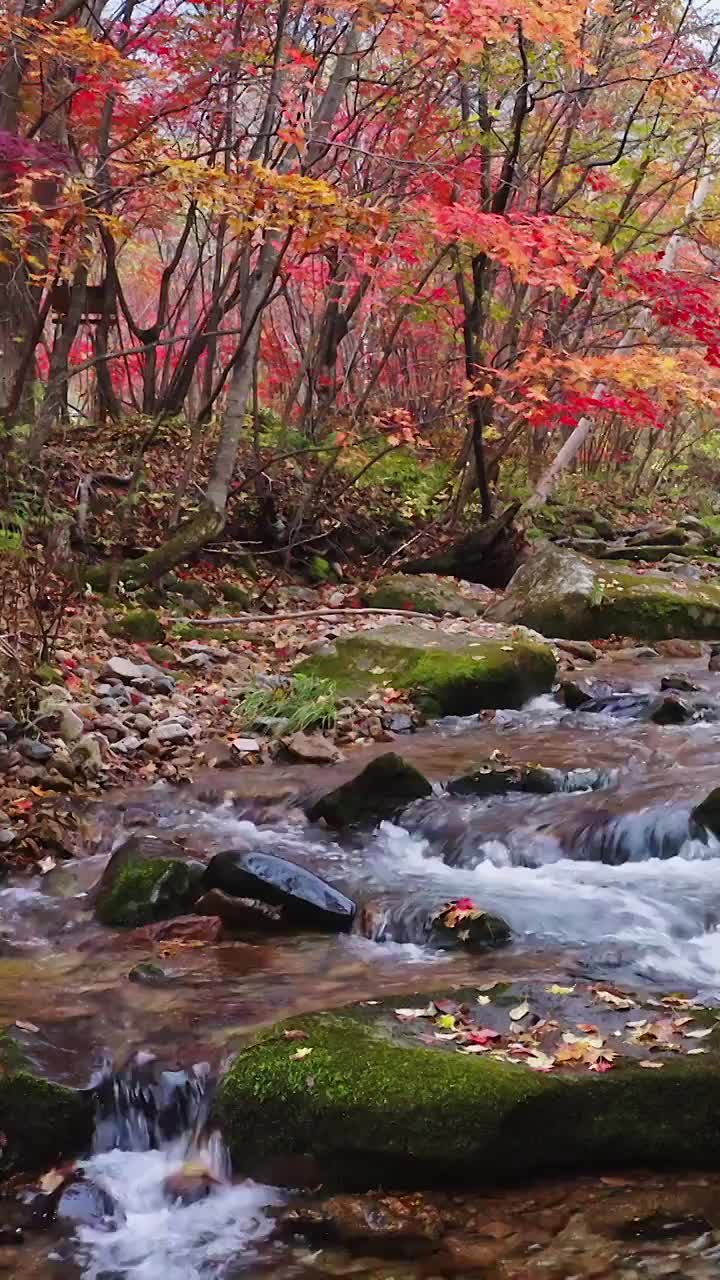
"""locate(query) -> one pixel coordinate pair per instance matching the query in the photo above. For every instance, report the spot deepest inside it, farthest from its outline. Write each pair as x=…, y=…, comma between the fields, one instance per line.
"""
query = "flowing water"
x=606, y=878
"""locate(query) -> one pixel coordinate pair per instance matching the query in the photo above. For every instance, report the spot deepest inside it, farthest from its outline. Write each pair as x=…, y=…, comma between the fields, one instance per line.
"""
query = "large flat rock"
x=403, y=1093
x=447, y=673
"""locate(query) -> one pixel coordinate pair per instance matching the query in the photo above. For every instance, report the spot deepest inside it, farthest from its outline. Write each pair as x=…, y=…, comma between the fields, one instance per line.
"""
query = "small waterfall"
x=173, y=1212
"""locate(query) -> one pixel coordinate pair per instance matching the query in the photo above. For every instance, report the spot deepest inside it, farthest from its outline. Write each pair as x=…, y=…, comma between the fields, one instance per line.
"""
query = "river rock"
x=426, y=593
x=87, y=755
x=399, y=1226
x=445, y=673
x=72, y=726
x=168, y=733
x=381, y=1100
x=200, y=929
x=677, y=648
x=578, y=649
x=491, y=779
x=382, y=790
x=560, y=592
x=146, y=880
x=191, y=1183
x=311, y=748
x=42, y=1123
x=706, y=815
x=242, y=915
x=680, y=682
x=307, y=901
x=670, y=710
x=86, y=1204
x=31, y=749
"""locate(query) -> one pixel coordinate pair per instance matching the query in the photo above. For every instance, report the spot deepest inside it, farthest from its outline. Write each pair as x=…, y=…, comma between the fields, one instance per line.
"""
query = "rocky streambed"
x=509, y=966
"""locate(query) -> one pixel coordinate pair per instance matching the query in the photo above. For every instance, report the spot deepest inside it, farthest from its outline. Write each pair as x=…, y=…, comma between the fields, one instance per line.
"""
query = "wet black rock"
x=384, y=788
x=714, y=663
x=574, y=694
x=706, y=815
x=9, y=725
x=447, y=927
x=678, y=681
x=307, y=901
x=497, y=779
x=670, y=710
x=148, y=975
x=85, y=1204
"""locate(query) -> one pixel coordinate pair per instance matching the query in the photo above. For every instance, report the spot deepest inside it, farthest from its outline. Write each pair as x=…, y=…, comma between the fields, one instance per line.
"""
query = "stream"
x=604, y=883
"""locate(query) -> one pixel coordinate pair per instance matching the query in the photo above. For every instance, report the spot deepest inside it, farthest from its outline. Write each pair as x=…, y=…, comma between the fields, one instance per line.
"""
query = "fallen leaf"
x=295, y=1035
x=409, y=1015
x=617, y=1002
x=483, y=1000
x=556, y=990
x=651, y=1066
x=699, y=1034
x=26, y=1026
x=300, y=1053
x=520, y=1011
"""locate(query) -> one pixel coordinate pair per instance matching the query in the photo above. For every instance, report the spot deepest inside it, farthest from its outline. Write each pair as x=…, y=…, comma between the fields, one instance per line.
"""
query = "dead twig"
x=304, y=613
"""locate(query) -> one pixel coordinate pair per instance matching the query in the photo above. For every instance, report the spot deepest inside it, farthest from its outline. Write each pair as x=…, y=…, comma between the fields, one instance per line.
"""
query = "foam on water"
x=152, y=1239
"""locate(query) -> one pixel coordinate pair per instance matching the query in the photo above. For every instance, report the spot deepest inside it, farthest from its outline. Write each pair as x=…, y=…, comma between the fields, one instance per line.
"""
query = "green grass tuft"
x=304, y=702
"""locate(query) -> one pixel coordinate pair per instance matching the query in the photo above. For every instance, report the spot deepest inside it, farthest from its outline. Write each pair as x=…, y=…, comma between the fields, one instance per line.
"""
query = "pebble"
x=168, y=732
x=143, y=723
x=31, y=749
x=71, y=725
x=129, y=745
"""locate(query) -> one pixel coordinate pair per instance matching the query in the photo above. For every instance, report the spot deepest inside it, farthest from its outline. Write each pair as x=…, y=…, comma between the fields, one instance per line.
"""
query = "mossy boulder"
x=383, y=789
x=445, y=674
x=235, y=594
x=140, y=625
x=562, y=593
x=425, y=593
x=374, y=1101
x=146, y=880
x=42, y=1123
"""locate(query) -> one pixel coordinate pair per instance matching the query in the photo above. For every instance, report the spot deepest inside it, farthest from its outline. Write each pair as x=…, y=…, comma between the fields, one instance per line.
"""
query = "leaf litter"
x=530, y=1036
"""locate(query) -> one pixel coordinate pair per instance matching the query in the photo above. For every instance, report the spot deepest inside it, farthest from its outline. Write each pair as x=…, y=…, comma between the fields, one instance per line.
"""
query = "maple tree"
x=441, y=223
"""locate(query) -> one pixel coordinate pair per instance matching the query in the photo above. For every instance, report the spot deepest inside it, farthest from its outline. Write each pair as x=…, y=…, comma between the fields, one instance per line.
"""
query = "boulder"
x=444, y=673
x=42, y=1123
x=307, y=901
x=679, y=682
x=146, y=880
x=383, y=789
x=559, y=592
x=406, y=1093
x=427, y=593
x=491, y=779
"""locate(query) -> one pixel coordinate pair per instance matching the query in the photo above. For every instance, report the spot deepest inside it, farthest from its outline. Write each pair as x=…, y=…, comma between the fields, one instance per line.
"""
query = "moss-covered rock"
x=45, y=673
x=561, y=593
x=197, y=591
x=140, y=625
x=377, y=1102
x=235, y=594
x=445, y=674
x=161, y=653
x=42, y=1123
x=145, y=881
x=383, y=789
x=425, y=593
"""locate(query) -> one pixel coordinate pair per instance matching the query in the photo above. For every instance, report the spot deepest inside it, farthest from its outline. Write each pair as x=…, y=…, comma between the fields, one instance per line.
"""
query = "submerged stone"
x=382, y=790
x=306, y=900
x=145, y=881
x=444, y=673
x=560, y=592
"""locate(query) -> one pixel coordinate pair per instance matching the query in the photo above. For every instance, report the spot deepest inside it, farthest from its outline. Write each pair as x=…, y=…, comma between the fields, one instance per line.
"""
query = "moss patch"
x=561, y=593
x=142, y=625
x=41, y=1122
x=370, y=1109
x=445, y=674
